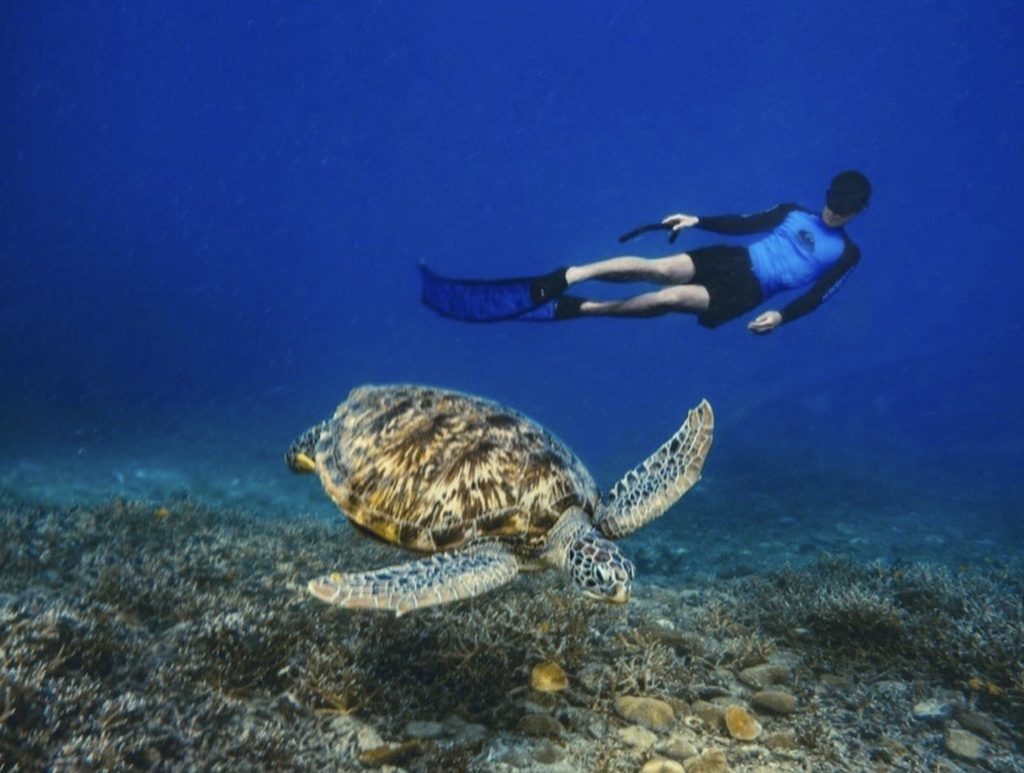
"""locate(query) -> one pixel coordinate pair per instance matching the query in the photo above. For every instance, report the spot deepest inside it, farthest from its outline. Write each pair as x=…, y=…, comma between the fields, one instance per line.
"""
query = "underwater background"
x=212, y=216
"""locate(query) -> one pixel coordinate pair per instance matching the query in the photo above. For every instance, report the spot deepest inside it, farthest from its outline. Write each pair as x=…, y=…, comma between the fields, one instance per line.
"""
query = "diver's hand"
x=679, y=222
x=765, y=323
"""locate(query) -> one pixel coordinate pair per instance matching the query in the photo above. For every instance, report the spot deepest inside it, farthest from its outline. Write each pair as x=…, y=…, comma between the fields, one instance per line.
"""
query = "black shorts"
x=730, y=281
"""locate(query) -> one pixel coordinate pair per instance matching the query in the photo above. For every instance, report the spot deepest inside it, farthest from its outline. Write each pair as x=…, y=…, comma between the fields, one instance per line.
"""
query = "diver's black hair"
x=849, y=193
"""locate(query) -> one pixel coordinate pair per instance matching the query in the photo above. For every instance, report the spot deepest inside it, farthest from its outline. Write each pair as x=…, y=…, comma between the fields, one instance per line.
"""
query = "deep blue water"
x=212, y=216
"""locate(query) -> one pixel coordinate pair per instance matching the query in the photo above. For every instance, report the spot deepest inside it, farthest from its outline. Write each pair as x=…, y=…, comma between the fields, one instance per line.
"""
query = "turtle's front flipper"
x=439, y=579
x=647, y=491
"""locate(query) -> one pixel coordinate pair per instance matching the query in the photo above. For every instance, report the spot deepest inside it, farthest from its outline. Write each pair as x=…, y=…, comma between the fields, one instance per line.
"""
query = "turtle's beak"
x=301, y=453
x=621, y=595
x=302, y=463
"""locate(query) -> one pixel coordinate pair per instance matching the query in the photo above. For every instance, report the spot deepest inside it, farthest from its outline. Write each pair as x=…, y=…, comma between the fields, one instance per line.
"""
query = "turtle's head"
x=597, y=566
x=600, y=570
x=302, y=452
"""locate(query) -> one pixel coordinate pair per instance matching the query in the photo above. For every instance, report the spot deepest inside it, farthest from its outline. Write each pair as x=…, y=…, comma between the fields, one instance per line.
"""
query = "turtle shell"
x=430, y=469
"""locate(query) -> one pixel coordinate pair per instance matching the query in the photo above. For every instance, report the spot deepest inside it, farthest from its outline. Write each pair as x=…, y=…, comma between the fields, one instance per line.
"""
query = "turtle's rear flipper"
x=489, y=300
x=439, y=579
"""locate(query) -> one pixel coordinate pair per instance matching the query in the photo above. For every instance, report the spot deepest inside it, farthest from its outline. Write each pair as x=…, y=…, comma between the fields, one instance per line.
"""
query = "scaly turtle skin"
x=484, y=490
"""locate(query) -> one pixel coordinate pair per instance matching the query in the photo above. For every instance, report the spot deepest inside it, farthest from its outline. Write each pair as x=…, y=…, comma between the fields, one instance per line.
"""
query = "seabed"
x=169, y=628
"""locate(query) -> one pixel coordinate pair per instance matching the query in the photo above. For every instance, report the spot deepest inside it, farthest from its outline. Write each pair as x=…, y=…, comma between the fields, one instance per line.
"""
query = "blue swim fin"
x=543, y=313
x=486, y=300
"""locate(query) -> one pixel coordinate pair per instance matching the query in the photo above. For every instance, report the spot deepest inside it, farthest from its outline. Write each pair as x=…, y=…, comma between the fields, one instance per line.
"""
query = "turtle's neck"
x=570, y=527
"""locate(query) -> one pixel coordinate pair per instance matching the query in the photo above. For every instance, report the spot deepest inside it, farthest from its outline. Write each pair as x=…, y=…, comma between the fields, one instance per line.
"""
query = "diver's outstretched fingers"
x=679, y=221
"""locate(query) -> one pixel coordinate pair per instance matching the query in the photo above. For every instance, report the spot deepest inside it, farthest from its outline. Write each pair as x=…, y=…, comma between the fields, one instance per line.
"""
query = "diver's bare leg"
x=687, y=299
x=674, y=269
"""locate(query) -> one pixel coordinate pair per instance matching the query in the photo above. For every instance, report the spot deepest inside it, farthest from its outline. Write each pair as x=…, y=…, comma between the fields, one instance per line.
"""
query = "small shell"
x=742, y=726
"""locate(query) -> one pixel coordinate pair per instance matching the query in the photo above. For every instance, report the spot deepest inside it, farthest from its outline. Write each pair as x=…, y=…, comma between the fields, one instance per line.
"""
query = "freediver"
x=718, y=283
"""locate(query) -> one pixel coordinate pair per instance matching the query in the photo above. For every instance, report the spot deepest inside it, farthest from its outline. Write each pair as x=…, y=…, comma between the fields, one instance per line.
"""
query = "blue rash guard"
x=799, y=250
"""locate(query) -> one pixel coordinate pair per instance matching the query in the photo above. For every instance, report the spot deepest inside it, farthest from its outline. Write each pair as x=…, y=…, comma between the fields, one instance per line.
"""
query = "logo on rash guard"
x=807, y=238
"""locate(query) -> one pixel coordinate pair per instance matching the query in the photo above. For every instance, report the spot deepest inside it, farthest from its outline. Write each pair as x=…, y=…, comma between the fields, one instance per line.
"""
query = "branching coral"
x=643, y=666
x=957, y=625
x=128, y=640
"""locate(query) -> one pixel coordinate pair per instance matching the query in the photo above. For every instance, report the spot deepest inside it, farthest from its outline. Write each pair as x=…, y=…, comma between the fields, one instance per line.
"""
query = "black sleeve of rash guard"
x=739, y=225
x=826, y=285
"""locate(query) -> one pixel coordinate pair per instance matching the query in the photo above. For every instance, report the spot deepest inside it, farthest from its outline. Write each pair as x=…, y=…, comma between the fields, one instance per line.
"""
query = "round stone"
x=775, y=701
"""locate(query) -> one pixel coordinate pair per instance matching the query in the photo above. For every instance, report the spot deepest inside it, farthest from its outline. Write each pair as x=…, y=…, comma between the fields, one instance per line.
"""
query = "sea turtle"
x=485, y=490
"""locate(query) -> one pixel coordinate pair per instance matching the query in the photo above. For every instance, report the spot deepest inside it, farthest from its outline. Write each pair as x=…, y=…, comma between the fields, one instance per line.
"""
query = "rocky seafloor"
x=173, y=635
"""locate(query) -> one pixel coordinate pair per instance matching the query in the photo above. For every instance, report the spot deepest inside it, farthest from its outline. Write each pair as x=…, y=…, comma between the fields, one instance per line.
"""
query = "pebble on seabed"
x=661, y=766
x=933, y=710
x=709, y=761
x=964, y=744
x=775, y=701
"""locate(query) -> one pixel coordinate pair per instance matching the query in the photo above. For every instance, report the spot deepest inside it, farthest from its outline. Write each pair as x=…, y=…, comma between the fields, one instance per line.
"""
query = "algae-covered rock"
x=637, y=736
x=964, y=744
x=543, y=725
x=764, y=675
x=548, y=754
x=978, y=723
x=781, y=742
x=711, y=715
x=678, y=748
x=652, y=713
x=709, y=761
